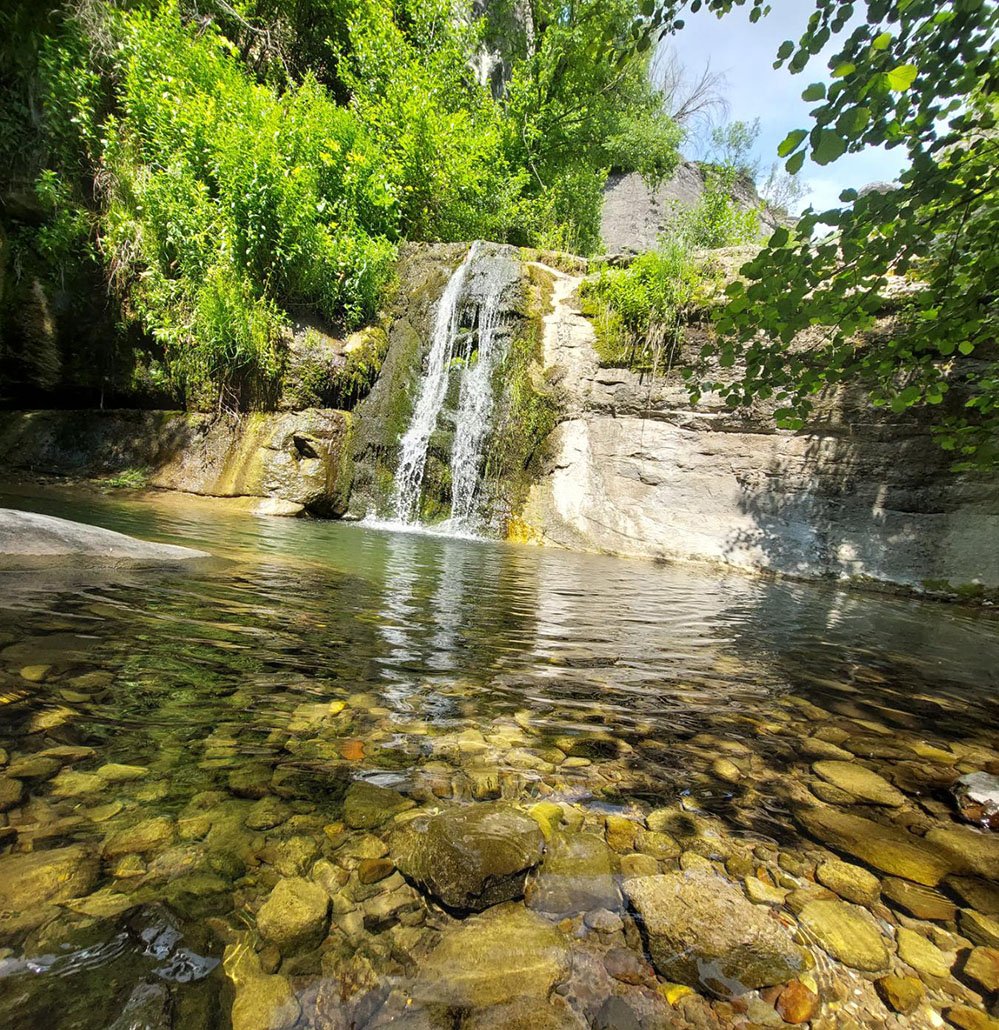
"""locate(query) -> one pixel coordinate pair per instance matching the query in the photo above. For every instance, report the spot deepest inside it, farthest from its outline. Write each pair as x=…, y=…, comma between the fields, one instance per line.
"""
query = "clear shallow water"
x=449, y=656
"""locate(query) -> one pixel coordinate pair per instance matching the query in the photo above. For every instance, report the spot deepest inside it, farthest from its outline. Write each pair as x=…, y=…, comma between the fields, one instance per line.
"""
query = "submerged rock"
x=576, y=875
x=849, y=881
x=263, y=1001
x=884, y=847
x=860, y=782
x=701, y=930
x=968, y=850
x=295, y=915
x=31, y=883
x=368, y=805
x=471, y=857
x=493, y=958
x=847, y=932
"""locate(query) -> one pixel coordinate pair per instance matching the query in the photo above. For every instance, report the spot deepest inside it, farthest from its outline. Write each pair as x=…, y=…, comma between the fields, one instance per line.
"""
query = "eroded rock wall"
x=634, y=469
x=292, y=460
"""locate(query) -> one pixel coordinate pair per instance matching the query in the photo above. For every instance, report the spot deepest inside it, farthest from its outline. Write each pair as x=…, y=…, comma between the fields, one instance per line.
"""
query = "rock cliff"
x=633, y=468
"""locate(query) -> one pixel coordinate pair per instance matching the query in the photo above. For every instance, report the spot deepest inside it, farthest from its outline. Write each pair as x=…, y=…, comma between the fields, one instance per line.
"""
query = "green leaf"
x=794, y=163
x=791, y=142
x=828, y=146
x=881, y=42
x=785, y=50
x=902, y=77
x=848, y=196
x=842, y=70
x=816, y=91
x=779, y=238
x=966, y=347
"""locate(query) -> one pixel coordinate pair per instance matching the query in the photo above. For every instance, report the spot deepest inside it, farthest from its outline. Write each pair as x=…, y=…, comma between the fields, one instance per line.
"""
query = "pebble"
x=925, y=957
x=797, y=1003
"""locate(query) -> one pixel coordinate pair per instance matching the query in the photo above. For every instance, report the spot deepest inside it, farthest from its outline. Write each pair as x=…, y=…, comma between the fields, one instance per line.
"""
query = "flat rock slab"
x=702, y=931
x=886, y=848
x=30, y=539
x=494, y=958
x=847, y=932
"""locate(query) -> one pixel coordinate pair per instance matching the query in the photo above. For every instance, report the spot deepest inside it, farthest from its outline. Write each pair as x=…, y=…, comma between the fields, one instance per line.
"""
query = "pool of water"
x=176, y=745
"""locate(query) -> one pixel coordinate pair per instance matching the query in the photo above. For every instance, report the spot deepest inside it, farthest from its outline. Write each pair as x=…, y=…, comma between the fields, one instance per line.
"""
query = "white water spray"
x=483, y=352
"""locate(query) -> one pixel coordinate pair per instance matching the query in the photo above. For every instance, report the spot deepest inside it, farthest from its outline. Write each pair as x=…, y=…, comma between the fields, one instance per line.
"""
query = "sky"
x=745, y=53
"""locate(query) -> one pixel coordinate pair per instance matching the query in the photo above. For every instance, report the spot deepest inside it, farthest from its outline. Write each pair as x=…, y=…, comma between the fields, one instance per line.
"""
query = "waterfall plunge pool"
x=217, y=784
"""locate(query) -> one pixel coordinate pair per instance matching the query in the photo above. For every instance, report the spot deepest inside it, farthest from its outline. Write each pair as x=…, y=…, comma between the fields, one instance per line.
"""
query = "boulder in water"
x=30, y=539
x=471, y=857
x=702, y=931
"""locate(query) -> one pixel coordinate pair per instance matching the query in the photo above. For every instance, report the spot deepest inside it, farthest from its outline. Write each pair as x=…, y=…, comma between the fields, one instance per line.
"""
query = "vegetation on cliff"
x=912, y=74
x=222, y=168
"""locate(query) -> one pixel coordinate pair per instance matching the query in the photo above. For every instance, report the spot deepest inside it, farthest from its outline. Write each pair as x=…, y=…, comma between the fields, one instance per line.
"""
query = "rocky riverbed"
x=200, y=822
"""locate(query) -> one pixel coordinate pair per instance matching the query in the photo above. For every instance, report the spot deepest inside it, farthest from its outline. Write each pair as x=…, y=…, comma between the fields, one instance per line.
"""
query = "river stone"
x=982, y=966
x=473, y=856
x=884, y=847
x=977, y=796
x=11, y=793
x=503, y=954
x=979, y=928
x=31, y=883
x=34, y=767
x=970, y=851
x=848, y=932
x=860, y=782
x=702, y=930
x=978, y=894
x=917, y=900
x=967, y=1018
x=147, y=835
x=576, y=875
x=900, y=993
x=262, y=1001
x=924, y=956
x=368, y=805
x=849, y=881
x=294, y=916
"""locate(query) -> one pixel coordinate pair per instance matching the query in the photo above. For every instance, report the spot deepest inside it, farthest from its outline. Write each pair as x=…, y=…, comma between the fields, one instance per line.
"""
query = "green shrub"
x=639, y=312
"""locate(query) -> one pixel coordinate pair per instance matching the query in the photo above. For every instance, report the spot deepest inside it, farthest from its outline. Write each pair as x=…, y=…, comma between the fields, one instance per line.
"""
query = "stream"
x=240, y=766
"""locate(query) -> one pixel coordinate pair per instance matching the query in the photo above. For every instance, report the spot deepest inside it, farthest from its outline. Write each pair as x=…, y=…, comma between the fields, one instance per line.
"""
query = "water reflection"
x=222, y=716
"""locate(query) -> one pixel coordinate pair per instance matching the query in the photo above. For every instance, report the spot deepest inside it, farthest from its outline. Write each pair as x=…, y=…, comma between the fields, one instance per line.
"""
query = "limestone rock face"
x=497, y=957
x=471, y=857
x=295, y=457
x=701, y=930
x=634, y=468
x=634, y=215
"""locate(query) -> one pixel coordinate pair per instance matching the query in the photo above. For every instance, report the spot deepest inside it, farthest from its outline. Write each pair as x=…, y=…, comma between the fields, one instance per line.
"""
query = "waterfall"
x=475, y=290
x=433, y=389
x=475, y=404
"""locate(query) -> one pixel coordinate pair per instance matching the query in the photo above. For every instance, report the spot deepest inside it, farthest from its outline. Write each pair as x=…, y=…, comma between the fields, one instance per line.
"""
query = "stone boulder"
x=494, y=958
x=884, y=847
x=576, y=876
x=702, y=931
x=295, y=915
x=848, y=932
x=32, y=884
x=262, y=1001
x=471, y=857
x=367, y=805
x=29, y=538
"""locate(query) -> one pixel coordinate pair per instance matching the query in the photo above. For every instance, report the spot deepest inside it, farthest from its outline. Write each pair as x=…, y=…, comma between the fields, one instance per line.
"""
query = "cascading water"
x=433, y=389
x=476, y=290
x=475, y=405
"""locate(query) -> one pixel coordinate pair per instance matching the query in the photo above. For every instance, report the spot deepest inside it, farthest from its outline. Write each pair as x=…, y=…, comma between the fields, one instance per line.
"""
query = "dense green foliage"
x=922, y=76
x=225, y=171
x=639, y=312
